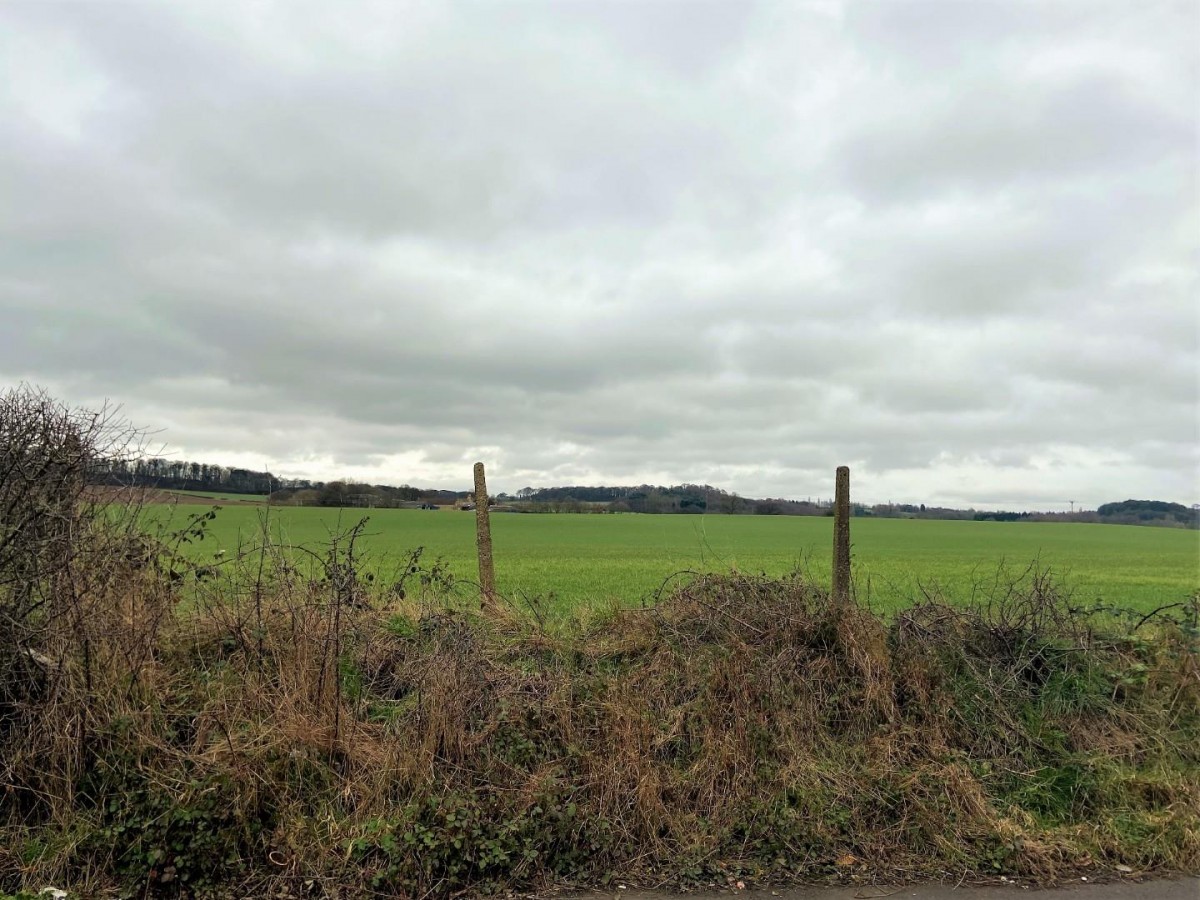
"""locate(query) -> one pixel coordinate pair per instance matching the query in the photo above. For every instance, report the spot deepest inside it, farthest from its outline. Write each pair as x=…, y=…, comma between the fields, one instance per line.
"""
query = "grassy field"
x=593, y=559
x=194, y=496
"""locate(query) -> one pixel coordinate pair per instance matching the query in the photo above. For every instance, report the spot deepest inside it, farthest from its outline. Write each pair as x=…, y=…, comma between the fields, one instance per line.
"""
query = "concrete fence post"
x=841, y=537
x=483, y=539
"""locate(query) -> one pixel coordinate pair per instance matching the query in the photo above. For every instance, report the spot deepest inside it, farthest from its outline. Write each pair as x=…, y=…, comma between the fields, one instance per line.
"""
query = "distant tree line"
x=701, y=498
x=182, y=475
x=643, y=498
x=173, y=474
x=1000, y=516
x=1126, y=512
x=693, y=498
x=363, y=496
x=1150, y=512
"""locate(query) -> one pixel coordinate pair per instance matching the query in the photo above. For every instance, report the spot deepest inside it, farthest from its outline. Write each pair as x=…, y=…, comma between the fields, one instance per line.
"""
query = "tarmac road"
x=1154, y=889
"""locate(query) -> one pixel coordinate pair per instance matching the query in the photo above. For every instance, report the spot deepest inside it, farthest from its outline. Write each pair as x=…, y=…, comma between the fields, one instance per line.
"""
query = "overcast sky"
x=952, y=244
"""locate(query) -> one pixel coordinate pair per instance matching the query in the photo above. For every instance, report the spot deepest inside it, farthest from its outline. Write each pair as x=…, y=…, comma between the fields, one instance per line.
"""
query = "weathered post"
x=841, y=537
x=483, y=539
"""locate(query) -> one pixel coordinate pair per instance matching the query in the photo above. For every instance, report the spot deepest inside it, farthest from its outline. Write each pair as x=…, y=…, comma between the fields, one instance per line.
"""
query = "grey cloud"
x=952, y=245
x=991, y=138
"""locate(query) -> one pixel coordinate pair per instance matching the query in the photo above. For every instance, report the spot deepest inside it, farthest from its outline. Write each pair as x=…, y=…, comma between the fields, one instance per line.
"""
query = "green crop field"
x=597, y=558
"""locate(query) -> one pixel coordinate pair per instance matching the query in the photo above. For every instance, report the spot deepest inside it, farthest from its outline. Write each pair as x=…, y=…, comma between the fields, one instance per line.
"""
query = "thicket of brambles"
x=280, y=724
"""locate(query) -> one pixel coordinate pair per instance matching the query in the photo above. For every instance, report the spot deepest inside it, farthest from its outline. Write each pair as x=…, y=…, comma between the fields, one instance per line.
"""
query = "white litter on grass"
x=53, y=893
